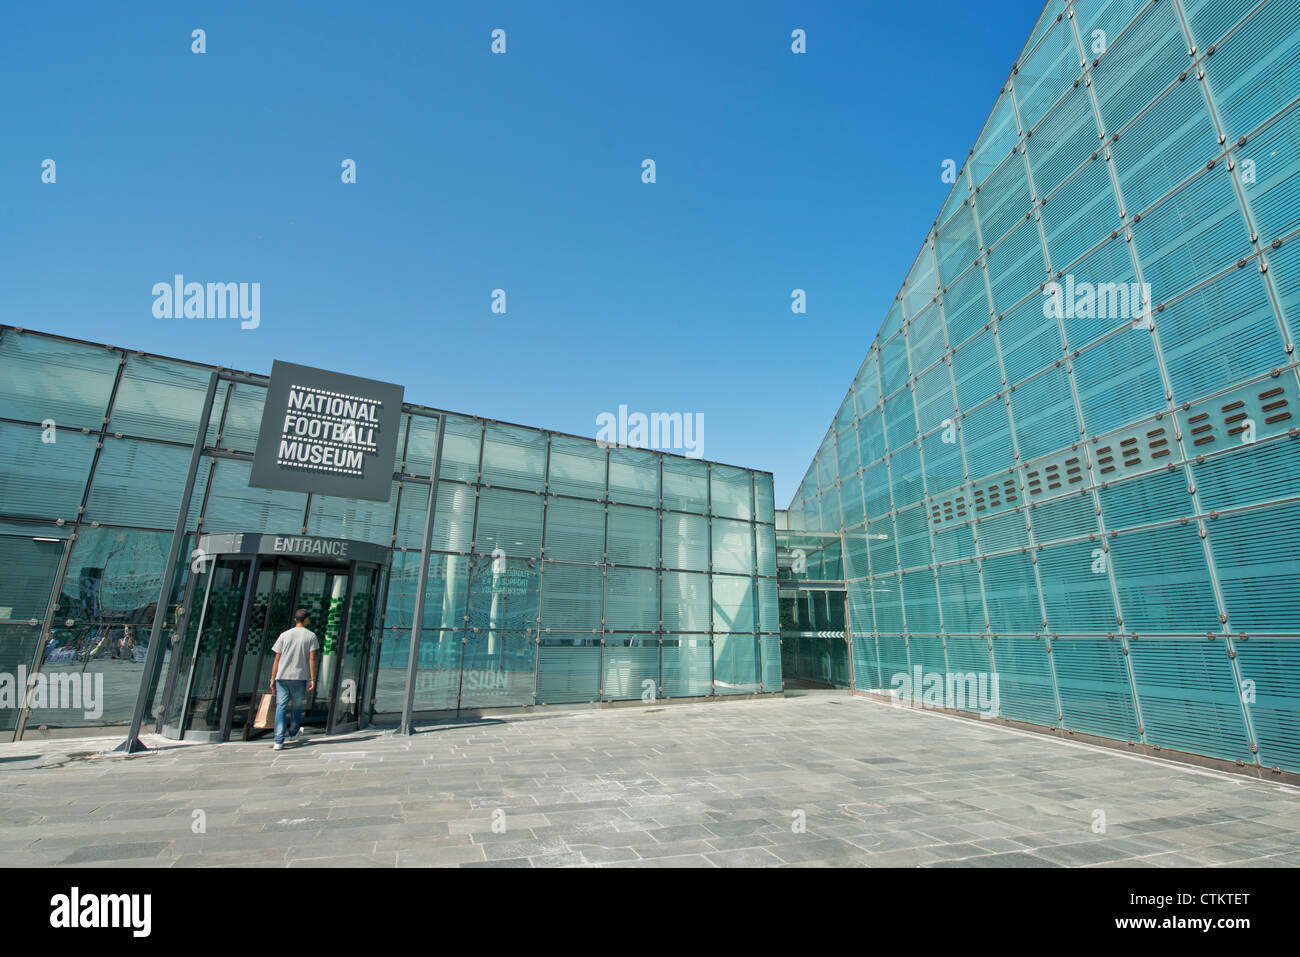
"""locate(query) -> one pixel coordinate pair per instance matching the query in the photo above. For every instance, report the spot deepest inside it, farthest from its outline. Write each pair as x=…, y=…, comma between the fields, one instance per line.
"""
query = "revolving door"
x=241, y=596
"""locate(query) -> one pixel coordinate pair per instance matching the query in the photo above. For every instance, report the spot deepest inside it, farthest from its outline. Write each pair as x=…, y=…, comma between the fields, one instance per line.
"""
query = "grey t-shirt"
x=294, y=647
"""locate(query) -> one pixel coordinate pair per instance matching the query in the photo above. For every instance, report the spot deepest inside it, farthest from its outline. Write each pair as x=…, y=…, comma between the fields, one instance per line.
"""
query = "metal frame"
x=184, y=709
x=153, y=658
x=236, y=665
x=422, y=581
x=43, y=638
x=182, y=620
x=277, y=569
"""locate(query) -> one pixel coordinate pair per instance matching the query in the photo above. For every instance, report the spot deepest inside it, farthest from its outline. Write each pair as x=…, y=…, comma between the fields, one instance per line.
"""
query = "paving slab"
x=807, y=781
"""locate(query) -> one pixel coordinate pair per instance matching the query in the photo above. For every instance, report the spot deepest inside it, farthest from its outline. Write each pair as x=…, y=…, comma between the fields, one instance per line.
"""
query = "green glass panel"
x=68, y=382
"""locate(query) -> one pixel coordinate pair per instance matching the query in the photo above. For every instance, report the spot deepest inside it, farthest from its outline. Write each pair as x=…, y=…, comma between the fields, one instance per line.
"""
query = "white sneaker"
x=277, y=747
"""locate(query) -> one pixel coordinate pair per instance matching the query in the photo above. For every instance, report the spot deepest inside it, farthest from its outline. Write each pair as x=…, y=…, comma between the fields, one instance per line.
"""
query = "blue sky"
x=520, y=171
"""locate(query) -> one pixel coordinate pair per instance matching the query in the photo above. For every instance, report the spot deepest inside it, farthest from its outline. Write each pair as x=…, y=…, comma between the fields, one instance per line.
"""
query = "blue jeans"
x=284, y=690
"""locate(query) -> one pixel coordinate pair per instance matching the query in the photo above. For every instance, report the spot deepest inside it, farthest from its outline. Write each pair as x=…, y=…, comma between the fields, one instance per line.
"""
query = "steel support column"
x=153, y=658
x=422, y=581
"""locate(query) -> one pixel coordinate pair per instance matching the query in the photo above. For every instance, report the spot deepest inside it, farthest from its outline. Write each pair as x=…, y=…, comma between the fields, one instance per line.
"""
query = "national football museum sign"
x=327, y=433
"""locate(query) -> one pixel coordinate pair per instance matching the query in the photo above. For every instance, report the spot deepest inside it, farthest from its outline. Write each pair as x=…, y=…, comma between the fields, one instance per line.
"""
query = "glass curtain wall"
x=559, y=571
x=563, y=572
x=1088, y=489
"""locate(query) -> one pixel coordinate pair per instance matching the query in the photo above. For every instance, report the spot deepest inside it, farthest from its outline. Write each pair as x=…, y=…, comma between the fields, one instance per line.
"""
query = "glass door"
x=323, y=592
x=272, y=614
x=202, y=669
x=814, y=643
x=206, y=683
x=356, y=642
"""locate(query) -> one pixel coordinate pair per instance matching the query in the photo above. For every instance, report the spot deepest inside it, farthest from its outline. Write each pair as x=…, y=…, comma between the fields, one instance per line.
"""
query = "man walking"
x=293, y=674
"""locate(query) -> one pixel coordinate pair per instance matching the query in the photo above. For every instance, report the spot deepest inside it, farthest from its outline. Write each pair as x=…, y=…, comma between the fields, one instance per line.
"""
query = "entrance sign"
x=327, y=433
x=292, y=546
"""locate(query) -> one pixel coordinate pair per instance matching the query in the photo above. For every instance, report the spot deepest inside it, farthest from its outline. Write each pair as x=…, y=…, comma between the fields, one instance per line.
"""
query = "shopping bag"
x=265, y=717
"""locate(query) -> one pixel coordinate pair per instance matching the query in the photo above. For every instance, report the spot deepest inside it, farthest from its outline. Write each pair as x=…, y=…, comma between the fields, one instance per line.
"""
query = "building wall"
x=1101, y=508
x=621, y=565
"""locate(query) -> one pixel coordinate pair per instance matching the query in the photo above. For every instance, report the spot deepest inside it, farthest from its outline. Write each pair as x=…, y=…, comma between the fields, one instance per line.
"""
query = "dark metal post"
x=422, y=581
x=153, y=658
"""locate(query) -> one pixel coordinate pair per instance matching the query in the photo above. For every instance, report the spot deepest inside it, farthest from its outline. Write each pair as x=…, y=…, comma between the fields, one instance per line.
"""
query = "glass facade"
x=1070, y=461
x=559, y=571
x=1070, y=458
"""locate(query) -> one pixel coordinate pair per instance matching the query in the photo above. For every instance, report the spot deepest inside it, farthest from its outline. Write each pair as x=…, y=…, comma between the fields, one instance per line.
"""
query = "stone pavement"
x=696, y=785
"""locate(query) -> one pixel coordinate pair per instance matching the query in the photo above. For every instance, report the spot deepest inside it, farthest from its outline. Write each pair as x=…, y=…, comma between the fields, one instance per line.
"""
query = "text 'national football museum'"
x=1062, y=491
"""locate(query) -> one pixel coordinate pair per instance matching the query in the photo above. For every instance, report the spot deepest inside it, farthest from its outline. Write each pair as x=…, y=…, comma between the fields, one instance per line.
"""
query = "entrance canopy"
x=293, y=546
